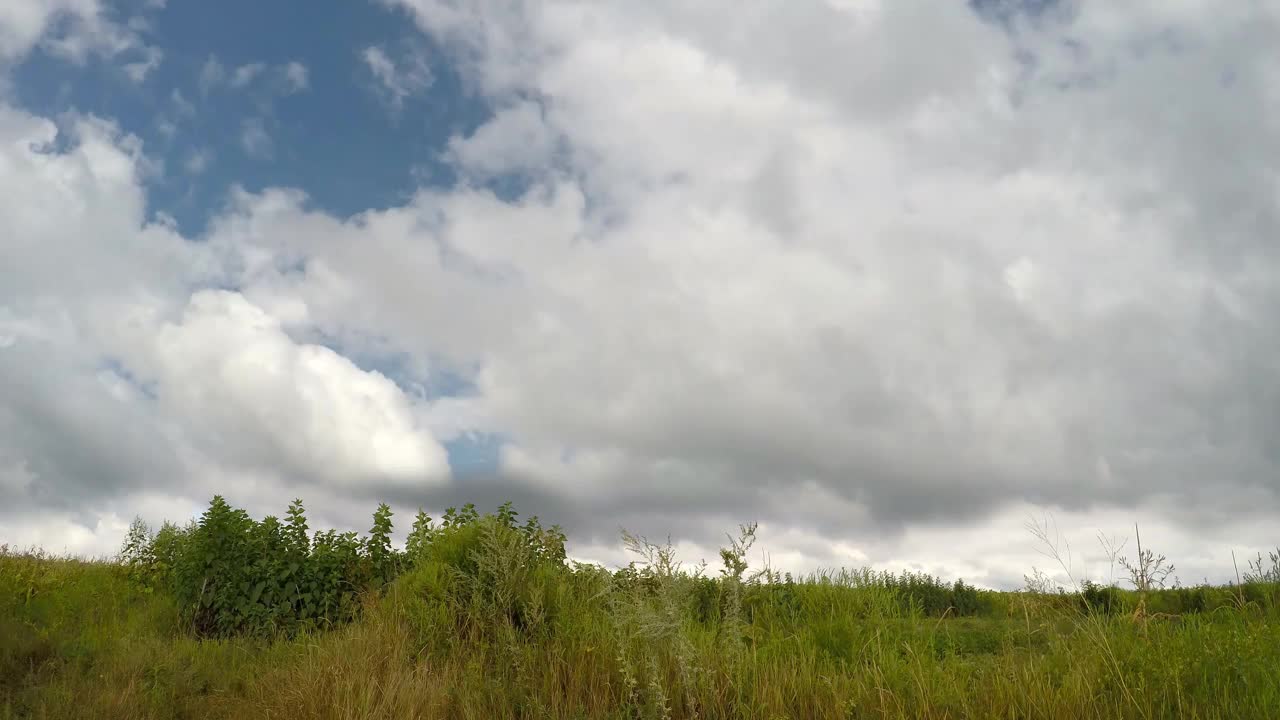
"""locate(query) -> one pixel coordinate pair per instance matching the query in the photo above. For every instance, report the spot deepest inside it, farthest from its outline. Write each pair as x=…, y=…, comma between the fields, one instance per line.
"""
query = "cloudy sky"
x=889, y=278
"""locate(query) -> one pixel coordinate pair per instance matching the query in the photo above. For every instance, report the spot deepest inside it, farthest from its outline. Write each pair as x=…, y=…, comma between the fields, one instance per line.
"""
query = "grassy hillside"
x=481, y=617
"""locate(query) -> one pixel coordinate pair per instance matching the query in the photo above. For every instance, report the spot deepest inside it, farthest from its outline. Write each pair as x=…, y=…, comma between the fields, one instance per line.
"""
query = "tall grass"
x=483, y=617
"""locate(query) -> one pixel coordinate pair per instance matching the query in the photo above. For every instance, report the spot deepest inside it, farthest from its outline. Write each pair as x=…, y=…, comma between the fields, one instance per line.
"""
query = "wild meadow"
x=482, y=616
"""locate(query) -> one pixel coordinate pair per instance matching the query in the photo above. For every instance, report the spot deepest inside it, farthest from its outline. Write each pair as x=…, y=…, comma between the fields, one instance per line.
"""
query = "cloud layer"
x=706, y=264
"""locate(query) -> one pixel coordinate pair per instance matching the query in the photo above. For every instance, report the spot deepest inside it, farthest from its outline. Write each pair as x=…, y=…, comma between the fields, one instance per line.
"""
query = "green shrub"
x=964, y=599
x=1099, y=599
x=233, y=575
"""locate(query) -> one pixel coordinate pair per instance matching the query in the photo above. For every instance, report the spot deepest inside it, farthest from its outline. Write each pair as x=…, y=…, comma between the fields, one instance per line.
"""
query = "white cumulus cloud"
x=230, y=365
x=128, y=385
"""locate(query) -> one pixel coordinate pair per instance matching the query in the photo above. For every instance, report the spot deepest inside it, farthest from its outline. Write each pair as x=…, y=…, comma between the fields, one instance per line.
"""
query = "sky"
x=891, y=279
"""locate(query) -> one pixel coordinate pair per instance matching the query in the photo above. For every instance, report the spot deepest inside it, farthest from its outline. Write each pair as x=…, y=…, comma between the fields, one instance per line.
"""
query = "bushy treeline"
x=231, y=574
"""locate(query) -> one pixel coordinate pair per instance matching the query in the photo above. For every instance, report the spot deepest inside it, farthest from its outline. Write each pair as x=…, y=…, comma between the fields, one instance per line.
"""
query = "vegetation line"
x=483, y=616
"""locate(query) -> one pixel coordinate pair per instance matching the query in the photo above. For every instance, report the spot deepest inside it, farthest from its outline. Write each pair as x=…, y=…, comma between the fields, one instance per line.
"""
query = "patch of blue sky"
x=475, y=454
x=338, y=138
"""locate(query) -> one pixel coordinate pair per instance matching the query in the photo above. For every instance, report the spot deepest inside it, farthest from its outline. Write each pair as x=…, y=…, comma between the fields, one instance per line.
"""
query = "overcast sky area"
x=889, y=277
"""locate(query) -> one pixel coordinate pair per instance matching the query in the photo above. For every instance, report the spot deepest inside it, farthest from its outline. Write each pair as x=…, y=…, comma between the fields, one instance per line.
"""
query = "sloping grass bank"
x=482, y=617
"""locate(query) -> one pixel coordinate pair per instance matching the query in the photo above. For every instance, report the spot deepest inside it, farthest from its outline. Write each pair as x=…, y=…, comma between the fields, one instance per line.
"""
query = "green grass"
x=477, y=625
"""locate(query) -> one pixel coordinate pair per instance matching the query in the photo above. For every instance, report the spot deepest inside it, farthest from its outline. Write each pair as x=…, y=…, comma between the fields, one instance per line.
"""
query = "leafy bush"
x=965, y=599
x=487, y=579
x=233, y=575
x=149, y=558
x=1099, y=599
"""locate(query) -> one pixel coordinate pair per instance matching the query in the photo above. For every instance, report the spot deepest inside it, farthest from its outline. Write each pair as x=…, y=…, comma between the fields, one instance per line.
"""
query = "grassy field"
x=481, y=617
